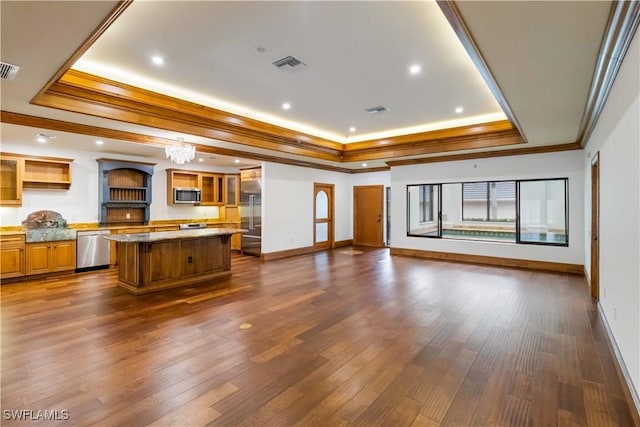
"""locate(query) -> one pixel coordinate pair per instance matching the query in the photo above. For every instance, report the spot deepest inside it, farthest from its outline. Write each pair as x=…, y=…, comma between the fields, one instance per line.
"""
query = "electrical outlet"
x=127, y=215
x=604, y=292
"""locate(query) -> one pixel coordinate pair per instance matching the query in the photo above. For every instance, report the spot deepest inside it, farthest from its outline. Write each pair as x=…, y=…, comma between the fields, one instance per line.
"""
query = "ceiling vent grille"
x=377, y=109
x=289, y=63
x=8, y=71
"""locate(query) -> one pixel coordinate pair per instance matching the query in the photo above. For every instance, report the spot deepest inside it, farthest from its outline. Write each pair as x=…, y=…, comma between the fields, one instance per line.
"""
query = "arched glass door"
x=323, y=216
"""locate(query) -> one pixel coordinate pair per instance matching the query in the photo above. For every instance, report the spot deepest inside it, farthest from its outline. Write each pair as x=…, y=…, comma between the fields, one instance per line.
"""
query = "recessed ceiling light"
x=414, y=69
x=43, y=138
x=99, y=142
x=459, y=110
x=286, y=106
x=237, y=161
x=201, y=159
x=364, y=165
x=352, y=129
x=157, y=60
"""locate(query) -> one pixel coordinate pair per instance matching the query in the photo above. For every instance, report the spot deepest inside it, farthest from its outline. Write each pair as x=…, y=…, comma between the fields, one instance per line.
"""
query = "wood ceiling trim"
x=117, y=90
x=488, y=154
x=88, y=94
x=115, y=112
x=95, y=131
x=484, y=141
x=434, y=135
x=367, y=170
x=453, y=15
x=621, y=27
x=95, y=35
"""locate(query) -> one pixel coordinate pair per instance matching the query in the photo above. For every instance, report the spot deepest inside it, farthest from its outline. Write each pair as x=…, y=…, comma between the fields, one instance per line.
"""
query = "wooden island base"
x=150, y=262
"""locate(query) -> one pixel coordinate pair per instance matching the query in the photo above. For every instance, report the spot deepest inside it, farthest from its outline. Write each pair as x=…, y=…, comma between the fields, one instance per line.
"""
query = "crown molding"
x=95, y=131
x=621, y=27
x=93, y=95
x=488, y=154
x=104, y=25
x=453, y=15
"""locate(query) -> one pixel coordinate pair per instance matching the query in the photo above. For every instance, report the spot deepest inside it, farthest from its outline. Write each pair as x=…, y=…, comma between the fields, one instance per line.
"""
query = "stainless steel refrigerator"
x=250, y=211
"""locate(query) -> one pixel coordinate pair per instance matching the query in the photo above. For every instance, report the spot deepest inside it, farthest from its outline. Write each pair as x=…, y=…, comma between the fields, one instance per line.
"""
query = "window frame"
x=488, y=199
x=566, y=213
x=517, y=208
x=439, y=214
x=423, y=210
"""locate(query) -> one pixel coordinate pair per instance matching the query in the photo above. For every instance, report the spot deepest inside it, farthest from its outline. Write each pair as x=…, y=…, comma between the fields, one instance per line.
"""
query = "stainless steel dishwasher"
x=92, y=251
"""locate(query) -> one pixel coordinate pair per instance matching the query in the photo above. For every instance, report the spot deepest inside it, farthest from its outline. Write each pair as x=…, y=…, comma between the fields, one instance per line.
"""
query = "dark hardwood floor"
x=332, y=338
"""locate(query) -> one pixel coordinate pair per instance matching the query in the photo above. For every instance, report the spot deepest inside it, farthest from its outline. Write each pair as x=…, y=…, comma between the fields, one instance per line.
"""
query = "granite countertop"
x=91, y=227
x=18, y=229
x=170, y=235
x=49, y=234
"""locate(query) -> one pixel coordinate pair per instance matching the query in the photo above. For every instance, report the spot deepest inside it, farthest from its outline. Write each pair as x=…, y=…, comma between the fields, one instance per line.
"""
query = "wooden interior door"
x=323, y=234
x=595, y=227
x=367, y=215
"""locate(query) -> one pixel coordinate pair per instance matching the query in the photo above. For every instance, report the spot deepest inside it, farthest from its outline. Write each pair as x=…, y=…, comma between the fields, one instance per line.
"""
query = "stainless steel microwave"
x=186, y=195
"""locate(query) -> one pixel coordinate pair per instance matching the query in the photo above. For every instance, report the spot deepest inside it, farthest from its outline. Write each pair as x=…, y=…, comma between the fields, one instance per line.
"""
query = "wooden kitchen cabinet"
x=63, y=255
x=48, y=257
x=236, y=239
x=18, y=172
x=11, y=169
x=12, y=259
x=211, y=184
x=47, y=173
x=125, y=192
x=38, y=258
x=232, y=190
x=212, y=189
x=177, y=178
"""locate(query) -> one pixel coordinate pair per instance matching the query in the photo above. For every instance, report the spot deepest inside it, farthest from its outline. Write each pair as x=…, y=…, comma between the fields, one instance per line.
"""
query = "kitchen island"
x=150, y=262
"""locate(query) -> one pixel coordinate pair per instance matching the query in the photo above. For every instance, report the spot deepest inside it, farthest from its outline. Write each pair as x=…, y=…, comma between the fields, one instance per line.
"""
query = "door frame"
x=594, y=274
x=330, y=244
x=380, y=242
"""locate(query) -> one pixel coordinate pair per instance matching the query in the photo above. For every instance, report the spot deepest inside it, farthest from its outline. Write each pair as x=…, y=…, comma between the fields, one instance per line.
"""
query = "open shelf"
x=125, y=191
x=47, y=174
x=18, y=172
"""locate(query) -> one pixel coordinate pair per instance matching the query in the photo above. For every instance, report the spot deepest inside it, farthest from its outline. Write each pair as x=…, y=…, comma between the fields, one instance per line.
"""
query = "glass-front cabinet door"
x=11, y=181
x=232, y=190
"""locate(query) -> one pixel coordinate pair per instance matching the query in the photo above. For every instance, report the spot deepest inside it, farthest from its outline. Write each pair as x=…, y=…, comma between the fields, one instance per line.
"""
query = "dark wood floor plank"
x=330, y=338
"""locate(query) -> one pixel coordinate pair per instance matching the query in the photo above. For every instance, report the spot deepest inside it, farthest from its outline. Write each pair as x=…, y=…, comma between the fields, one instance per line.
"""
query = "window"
x=426, y=203
x=422, y=210
x=543, y=211
x=489, y=201
x=518, y=211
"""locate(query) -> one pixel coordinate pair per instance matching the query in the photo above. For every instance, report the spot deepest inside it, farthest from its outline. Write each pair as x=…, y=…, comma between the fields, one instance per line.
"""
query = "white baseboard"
x=621, y=368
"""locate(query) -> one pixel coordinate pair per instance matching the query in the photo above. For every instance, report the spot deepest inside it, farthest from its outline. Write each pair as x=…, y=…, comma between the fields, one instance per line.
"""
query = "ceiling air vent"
x=377, y=109
x=8, y=71
x=289, y=63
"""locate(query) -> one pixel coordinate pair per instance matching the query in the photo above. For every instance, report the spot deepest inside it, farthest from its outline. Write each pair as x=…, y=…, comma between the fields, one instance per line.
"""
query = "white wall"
x=80, y=202
x=617, y=138
x=287, y=208
x=553, y=165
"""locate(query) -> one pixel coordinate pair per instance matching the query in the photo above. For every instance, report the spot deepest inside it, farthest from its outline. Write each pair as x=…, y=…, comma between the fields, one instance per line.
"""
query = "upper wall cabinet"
x=45, y=173
x=210, y=184
x=11, y=180
x=18, y=171
x=212, y=189
x=232, y=190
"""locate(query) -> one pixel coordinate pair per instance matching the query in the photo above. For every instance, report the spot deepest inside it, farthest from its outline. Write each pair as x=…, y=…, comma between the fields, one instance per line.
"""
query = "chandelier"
x=180, y=152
